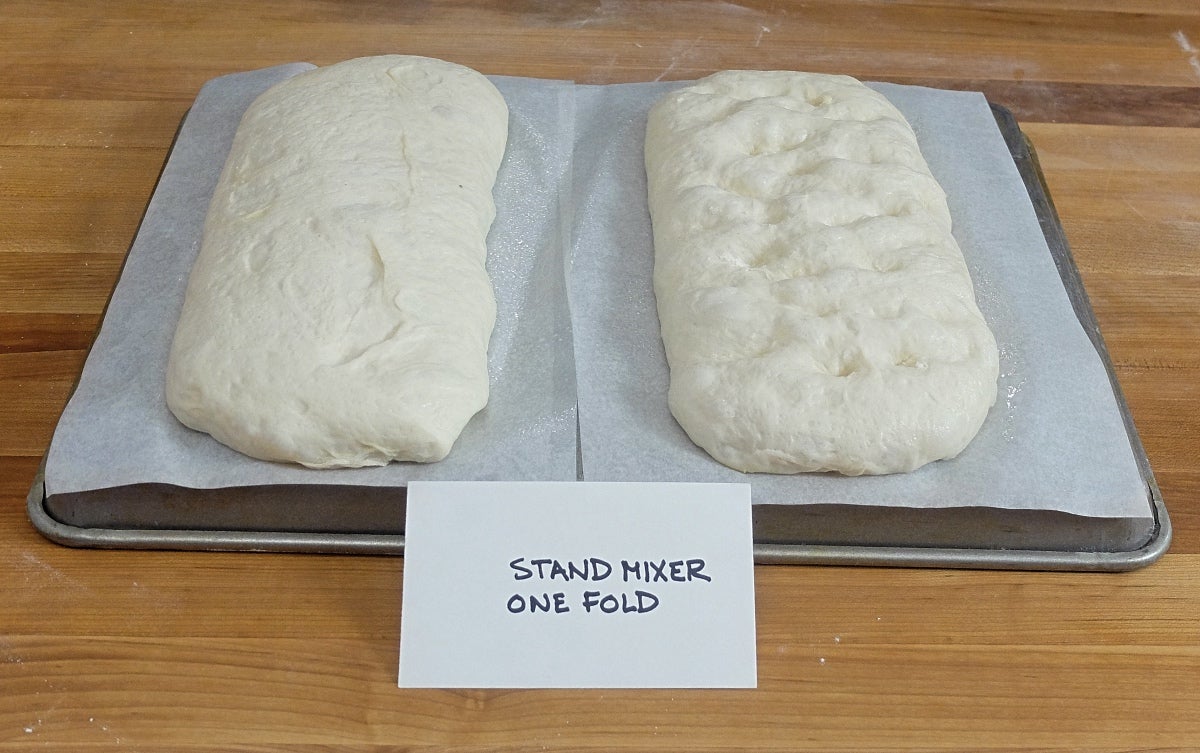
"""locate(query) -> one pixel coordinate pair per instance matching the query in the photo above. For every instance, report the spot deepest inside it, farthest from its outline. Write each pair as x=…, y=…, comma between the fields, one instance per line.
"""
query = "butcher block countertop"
x=184, y=651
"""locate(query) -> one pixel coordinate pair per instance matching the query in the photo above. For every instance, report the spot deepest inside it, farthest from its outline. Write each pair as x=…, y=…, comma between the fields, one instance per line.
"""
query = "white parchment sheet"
x=571, y=192
x=117, y=430
x=1055, y=438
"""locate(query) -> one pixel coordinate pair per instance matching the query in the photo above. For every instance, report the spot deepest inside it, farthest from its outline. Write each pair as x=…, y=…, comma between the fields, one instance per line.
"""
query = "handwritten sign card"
x=556, y=585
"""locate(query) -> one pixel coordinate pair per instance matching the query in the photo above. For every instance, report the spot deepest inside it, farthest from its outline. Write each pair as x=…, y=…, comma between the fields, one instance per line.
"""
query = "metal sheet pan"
x=370, y=520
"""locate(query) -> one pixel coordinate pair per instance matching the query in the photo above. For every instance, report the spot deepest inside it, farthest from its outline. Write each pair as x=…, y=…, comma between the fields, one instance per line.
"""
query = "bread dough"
x=339, y=311
x=816, y=311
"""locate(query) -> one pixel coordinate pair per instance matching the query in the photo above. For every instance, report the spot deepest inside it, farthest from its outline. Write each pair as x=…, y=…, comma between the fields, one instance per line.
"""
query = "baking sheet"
x=103, y=493
x=1055, y=438
x=116, y=430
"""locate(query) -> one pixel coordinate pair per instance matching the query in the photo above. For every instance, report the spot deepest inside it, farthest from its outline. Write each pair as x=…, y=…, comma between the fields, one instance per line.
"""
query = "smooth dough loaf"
x=339, y=311
x=816, y=311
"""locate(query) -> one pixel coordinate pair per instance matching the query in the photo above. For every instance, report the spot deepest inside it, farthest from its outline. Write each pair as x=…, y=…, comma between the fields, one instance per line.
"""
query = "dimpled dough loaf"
x=816, y=311
x=339, y=311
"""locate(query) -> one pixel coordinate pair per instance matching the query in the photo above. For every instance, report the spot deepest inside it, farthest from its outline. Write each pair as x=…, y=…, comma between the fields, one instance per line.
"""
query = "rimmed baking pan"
x=368, y=518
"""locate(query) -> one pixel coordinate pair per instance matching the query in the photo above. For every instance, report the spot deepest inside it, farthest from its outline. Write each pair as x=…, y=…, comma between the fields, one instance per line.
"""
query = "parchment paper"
x=1055, y=438
x=116, y=429
x=574, y=173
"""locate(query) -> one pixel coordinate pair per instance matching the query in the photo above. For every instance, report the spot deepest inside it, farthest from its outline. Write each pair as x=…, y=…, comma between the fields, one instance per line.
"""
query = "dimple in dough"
x=816, y=311
x=339, y=311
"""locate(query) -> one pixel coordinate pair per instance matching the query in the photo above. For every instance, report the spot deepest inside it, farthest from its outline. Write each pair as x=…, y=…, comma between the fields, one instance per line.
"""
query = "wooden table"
x=157, y=651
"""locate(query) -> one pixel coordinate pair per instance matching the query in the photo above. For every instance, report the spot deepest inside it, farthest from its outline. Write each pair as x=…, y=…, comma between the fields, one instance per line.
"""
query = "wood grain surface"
x=171, y=651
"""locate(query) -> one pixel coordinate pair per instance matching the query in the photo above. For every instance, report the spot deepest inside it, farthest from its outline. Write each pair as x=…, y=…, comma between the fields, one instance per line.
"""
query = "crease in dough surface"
x=339, y=311
x=816, y=311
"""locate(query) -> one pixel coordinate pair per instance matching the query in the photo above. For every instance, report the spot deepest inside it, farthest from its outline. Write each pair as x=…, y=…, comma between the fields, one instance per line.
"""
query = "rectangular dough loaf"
x=339, y=311
x=816, y=311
